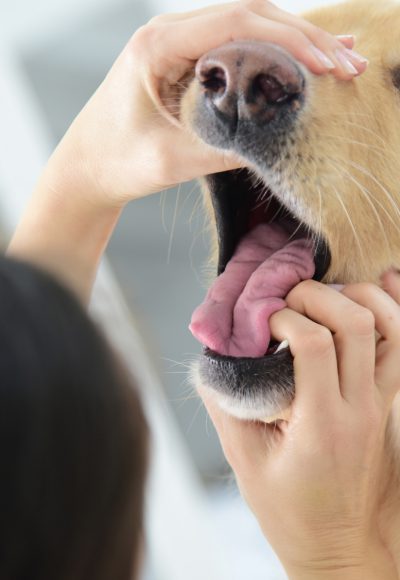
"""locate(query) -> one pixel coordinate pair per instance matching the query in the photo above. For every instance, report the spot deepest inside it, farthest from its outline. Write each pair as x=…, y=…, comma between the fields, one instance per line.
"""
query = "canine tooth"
x=284, y=344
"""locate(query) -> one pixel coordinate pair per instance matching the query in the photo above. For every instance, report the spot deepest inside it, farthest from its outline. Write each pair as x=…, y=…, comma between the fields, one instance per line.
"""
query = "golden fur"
x=343, y=175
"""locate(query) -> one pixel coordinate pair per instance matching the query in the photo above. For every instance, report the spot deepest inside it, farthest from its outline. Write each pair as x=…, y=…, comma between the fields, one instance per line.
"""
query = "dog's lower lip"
x=215, y=356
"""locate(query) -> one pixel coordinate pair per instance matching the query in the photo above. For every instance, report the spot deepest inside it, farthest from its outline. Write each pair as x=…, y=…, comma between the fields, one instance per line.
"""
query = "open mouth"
x=264, y=252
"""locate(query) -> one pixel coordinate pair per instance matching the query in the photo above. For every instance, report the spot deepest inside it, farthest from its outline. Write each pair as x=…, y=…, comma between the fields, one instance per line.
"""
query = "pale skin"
x=321, y=467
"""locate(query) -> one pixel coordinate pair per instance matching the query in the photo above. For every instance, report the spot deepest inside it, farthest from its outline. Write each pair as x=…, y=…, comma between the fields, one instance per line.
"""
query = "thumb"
x=391, y=284
x=245, y=443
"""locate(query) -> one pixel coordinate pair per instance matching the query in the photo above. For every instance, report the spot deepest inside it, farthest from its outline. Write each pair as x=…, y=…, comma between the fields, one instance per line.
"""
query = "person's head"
x=73, y=439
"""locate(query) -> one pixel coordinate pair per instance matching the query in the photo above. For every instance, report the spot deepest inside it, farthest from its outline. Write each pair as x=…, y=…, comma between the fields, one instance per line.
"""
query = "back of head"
x=73, y=440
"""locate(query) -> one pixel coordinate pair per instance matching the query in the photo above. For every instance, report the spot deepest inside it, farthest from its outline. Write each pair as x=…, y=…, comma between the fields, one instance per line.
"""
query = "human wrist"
x=74, y=171
x=363, y=573
x=376, y=565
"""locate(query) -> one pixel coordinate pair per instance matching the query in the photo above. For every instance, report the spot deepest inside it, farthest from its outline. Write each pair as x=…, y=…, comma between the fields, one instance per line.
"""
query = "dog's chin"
x=257, y=389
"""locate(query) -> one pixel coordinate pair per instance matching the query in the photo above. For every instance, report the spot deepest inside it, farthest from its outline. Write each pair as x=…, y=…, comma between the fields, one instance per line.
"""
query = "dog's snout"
x=248, y=81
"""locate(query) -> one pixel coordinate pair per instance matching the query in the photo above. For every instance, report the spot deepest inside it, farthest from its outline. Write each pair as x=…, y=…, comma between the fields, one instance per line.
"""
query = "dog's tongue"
x=267, y=264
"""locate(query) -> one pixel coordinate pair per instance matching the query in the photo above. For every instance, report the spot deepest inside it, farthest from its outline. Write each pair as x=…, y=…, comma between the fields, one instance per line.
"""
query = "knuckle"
x=318, y=342
x=159, y=19
x=302, y=288
x=368, y=289
x=359, y=320
x=373, y=418
x=297, y=37
x=146, y=36
x=316, y=34
x=307, y=284
x=238, y=15
x=254, y=5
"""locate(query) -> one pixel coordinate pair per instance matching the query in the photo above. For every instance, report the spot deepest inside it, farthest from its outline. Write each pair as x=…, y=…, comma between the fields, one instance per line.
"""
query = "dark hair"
x=73, y=439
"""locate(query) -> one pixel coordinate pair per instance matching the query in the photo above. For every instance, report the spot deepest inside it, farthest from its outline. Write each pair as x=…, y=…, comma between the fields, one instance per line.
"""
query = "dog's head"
x=323, y=170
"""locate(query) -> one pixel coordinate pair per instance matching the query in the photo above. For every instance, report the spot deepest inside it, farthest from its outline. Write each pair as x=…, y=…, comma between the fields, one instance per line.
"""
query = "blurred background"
x=53, y=55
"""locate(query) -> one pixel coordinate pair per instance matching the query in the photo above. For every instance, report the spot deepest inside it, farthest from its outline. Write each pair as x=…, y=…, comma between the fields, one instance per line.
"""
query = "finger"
x=195, y=36
x=387, y=321
x=391, y=284
x=347, y=40
x=354, y=334
x=245, y=443
x=196, y=157
x=314, y=360
x=347, y=62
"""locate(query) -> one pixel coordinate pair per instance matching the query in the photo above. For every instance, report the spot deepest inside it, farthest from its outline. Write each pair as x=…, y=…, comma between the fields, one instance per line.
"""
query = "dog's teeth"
x=284, y=344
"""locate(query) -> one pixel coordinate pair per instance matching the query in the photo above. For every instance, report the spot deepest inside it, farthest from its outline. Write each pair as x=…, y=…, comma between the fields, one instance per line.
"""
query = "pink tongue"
x=267, y=264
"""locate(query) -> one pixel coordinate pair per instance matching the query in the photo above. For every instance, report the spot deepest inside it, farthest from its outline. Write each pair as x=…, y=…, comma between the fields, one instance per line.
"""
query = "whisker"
x=195, y=415
x=163, y=199
x=349, y=220
x=367, y=130
x=383, y=151
x=378, y=183
x=369, y=197
x=173, y=225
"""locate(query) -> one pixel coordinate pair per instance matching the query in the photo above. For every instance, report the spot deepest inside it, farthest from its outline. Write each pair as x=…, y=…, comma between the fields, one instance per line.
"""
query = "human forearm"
x=123, y=145
x=65, y=228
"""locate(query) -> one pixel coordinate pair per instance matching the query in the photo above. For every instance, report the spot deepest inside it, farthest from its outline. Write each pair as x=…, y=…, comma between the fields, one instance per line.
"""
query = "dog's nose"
x=249, y=81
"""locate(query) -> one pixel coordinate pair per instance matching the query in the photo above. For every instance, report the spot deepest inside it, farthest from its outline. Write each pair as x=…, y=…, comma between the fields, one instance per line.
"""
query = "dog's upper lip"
x=229, y=192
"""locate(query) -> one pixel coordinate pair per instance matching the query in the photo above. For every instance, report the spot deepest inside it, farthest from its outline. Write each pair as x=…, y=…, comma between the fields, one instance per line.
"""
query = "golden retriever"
x=323, y=180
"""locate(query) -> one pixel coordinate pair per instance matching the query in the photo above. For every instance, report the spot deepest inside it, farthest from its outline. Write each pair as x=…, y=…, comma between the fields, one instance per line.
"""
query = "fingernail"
x=321, y=56
x=337, y=287
x=346, y=37
x=346, y=64
x=356, y=56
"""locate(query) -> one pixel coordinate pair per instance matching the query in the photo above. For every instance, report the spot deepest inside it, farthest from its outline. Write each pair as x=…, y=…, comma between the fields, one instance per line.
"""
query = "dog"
x=322, y=186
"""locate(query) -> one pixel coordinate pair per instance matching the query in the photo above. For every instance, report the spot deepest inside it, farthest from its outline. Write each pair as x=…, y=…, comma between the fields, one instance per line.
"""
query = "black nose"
x=249, y=81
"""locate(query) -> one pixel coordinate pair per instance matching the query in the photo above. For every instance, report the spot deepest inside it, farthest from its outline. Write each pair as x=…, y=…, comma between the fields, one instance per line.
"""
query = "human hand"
x=316, y=483
x=127, y=141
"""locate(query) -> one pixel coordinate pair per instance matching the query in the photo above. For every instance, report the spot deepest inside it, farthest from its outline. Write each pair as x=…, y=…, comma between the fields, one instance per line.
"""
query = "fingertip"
x=390, y=282
x=391, y=274
x=321, y=62
x=348, y=40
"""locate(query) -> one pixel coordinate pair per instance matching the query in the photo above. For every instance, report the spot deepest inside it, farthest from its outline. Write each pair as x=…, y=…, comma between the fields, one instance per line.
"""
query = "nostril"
x=269, y=88
x=213, y=79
